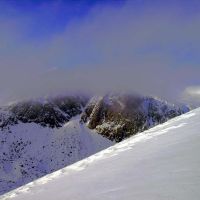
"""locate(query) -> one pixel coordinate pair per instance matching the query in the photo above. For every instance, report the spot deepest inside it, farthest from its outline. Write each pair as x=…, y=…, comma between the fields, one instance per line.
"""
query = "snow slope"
x=162, y=163
x=29, y=151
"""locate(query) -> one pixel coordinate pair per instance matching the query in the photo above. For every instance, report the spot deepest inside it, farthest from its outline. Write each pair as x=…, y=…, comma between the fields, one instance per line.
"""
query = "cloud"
x=192, y=95
x=152, y=50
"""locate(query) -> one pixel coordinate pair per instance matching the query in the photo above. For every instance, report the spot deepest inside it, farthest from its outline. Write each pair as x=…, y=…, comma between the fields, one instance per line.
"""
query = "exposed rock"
x=52, y=112
x=120, y=116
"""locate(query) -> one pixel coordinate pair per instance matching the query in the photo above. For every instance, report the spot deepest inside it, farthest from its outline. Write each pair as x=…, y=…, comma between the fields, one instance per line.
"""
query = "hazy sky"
x=50, y=47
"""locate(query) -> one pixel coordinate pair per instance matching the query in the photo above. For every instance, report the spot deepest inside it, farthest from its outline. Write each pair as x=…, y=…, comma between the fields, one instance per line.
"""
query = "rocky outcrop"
x=120, y=116
x=52, y=112
x=6, y=119
x=113, y=116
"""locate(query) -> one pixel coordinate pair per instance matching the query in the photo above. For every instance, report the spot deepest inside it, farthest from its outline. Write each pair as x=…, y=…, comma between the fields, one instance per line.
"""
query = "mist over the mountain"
x=125, y=48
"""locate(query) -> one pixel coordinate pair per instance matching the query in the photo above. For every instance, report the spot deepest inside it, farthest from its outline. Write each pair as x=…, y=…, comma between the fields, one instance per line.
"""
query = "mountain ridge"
x=67, y=129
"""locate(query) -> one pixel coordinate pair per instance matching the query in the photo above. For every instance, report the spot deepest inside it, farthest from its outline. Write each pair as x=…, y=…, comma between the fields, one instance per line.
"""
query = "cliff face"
x=120, y=116
x=51, y=113
x=114, y=116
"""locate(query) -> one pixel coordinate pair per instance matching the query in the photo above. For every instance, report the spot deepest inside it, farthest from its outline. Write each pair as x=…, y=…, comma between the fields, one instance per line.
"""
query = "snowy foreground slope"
x=162, y=163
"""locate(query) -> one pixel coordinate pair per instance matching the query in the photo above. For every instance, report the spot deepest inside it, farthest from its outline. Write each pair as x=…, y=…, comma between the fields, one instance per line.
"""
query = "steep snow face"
x=159, y=164
x=120, y=116
x=29, y=150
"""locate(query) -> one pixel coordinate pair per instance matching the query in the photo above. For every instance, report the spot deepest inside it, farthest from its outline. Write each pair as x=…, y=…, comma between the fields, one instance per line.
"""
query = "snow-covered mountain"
x=39, y=137
x=159, y=164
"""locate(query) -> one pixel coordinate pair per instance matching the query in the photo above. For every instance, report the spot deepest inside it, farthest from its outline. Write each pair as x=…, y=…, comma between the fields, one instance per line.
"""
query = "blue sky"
x=50, y=16
x=151, y=47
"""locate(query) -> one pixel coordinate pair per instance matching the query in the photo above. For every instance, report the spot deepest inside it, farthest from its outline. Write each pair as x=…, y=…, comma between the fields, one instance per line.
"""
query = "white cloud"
x=192, y=95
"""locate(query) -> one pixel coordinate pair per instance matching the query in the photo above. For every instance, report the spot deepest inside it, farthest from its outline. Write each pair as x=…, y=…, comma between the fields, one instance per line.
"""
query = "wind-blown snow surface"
x=162, y=163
